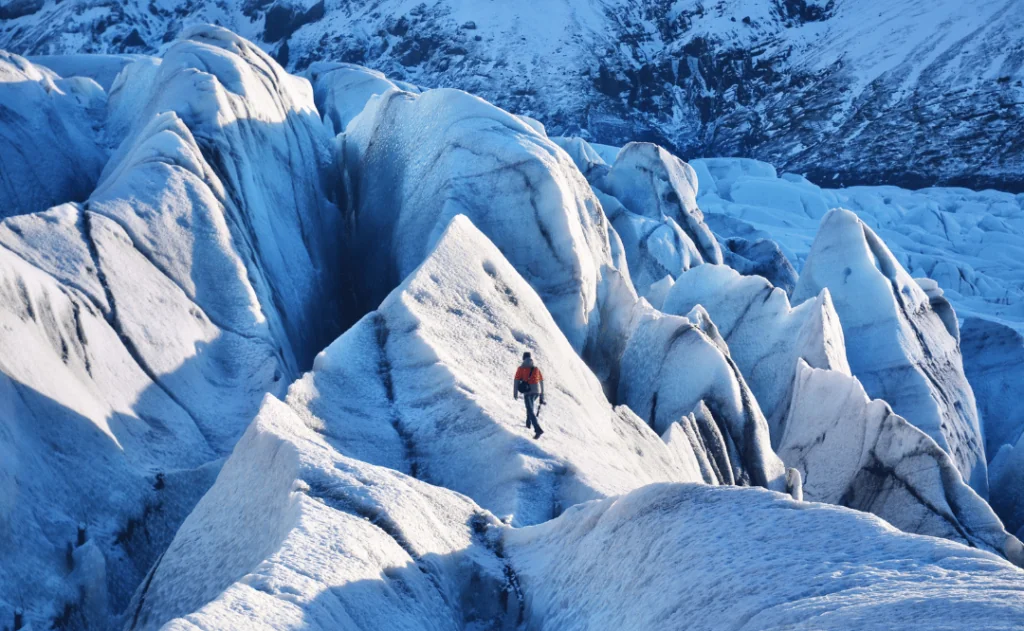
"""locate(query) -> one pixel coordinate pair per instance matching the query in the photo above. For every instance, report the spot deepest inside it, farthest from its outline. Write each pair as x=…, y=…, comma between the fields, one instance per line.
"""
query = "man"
x=529, y=383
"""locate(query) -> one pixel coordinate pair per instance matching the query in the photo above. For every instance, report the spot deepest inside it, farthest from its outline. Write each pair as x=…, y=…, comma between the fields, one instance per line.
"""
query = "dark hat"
x=526, y=355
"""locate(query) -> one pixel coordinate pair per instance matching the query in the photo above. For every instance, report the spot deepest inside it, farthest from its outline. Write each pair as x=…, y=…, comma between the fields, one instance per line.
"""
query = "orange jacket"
x=523, y=374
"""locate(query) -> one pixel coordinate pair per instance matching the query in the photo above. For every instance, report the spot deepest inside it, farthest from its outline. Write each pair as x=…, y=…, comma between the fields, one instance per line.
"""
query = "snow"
x=412, y=162
x=856, y=452
x=766, y=336
x=675, y=365
x=898, y=346
x=293, y=533
x=424, y=385
x=676, y=556
x=50, y=151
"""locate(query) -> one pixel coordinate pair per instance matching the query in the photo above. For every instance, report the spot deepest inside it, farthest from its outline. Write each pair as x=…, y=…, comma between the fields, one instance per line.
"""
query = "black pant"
x=531, y=413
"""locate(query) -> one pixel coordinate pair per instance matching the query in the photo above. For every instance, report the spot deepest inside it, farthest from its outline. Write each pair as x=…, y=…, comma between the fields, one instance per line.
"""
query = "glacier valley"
x=259, y=320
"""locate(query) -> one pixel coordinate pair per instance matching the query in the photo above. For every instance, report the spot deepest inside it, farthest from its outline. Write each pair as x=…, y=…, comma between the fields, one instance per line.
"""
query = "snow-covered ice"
x=293, y=534
x=856, y=452
x=674, y=366
x=766, y=336
x=424, y=385
x=898, y=345
x=689, y=556
x=50, y=146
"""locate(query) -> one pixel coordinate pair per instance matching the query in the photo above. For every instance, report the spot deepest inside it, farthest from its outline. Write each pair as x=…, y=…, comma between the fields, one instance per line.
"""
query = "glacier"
x=257, y=343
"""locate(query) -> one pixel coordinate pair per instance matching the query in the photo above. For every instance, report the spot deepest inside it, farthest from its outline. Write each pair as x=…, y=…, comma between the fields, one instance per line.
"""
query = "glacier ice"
x=424, y=385
x=766, y=337
x=245, y=217
x=994, y=364
x=651, y=182
x=674, y=366
x=409, y=163
x=50, y=146
x=856, y=452
x=342, y=90
x=685, y=556
x=898, y=346
x=295, y=534
x=1006, y=478
x=152, y=317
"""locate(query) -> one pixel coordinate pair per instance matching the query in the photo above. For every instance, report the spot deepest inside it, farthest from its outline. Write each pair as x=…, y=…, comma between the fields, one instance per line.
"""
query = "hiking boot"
x=539, y=432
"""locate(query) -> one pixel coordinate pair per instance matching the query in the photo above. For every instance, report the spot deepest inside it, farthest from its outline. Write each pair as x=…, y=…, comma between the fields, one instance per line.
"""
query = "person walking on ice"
x=529, y=382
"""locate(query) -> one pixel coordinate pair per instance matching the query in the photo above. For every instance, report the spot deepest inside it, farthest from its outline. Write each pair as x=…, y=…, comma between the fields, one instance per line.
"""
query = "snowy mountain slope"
x=50, y=151
x=907, y=92
x=855, y=452
x=699, y=548
x=766, y=336
x=424, y=385
x=899, y=344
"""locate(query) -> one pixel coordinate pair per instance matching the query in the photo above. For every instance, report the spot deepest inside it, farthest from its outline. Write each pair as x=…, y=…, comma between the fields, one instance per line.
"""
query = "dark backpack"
x=524, y=384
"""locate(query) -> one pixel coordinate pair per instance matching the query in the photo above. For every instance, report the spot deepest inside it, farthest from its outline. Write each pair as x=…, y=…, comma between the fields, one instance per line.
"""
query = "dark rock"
x=134, y=40
x=13, y=9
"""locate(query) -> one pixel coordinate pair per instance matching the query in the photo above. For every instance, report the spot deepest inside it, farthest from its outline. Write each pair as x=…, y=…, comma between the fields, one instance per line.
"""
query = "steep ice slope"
x=295, y=534
x=855, y=452
x=50, y=151
x=150, y=320
x=412, y=162
x=906, y=91
x=674, y=366
x=994, y=364
x=898, y=345
x=698, y=557
x=1007, y=481
x=424, y=385
x=251, y=166
x=766, y=336
x=87, y=427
